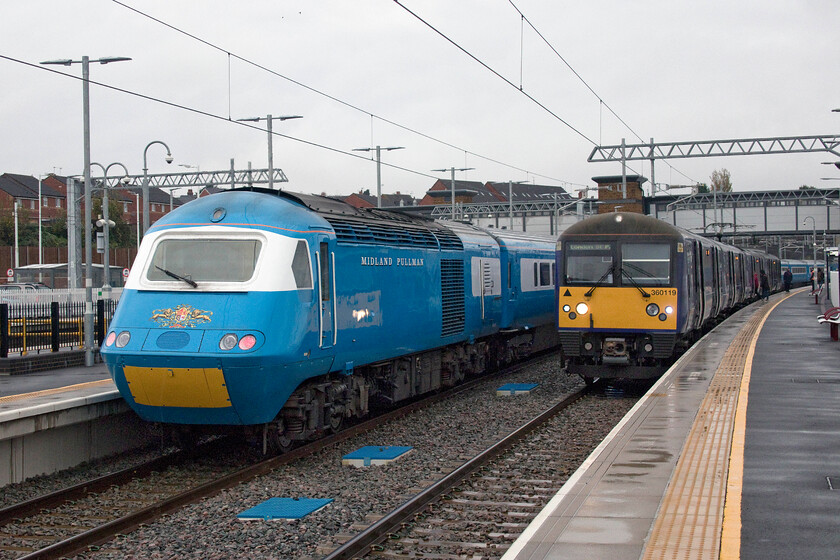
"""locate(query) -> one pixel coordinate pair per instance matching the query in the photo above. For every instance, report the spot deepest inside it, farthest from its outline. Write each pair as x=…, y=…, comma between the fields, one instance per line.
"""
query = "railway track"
x=478, y=510
x=79, y=518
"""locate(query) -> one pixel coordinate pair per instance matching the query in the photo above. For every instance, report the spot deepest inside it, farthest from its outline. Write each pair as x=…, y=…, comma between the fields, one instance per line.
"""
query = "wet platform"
x=61, y=418
x=731, y=454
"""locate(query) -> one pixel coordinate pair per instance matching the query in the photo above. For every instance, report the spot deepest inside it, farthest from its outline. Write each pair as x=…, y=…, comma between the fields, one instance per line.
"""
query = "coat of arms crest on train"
x=180, y=317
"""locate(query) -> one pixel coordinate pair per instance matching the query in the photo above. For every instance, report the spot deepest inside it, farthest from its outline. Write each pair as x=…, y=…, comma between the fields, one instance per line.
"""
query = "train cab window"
x=588, y=262
x=204, y=260
x=301, y=269
x=647, y=264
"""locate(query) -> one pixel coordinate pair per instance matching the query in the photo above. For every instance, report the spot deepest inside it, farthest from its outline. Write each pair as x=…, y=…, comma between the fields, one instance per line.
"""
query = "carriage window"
x=301, y=268
x=542, y=274
x=205, y=260
x=648, y=264
x=545, y=274
x=589, y=262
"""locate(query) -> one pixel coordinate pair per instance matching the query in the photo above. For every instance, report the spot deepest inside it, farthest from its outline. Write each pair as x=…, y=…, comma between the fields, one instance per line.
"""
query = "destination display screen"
x=589, y=247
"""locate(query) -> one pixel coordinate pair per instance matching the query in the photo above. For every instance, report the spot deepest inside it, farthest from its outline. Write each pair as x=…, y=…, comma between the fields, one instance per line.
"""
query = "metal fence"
x=27, y=326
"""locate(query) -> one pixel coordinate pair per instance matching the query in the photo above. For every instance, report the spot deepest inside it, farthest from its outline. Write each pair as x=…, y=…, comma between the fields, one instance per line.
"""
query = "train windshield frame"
x=587, y=262
x=205, y=260
x=646, y=263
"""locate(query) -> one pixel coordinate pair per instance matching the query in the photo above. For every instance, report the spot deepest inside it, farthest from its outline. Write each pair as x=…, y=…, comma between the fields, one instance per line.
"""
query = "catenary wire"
x=333, y=98
x=495, y=73
x=210, y=115
x=579, y=77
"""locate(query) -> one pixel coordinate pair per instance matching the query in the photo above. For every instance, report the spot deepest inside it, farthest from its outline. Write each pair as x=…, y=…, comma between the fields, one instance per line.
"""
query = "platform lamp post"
x=85, y=62
x=452, y=184
x=814, y=224
x=378, y=150
x=169, y=159
x=137, y=217
x=106, y=222
x=510, y=201
x=268, y=118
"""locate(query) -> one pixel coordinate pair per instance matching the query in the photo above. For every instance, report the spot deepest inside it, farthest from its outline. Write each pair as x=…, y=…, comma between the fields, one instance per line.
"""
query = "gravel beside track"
x=12, y=494
x=443, y=436
x=483, y=514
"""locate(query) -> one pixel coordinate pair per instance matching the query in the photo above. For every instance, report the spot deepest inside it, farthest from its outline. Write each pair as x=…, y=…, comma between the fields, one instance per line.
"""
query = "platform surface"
x=52, y=379
x=761, y=389
x=35, y=393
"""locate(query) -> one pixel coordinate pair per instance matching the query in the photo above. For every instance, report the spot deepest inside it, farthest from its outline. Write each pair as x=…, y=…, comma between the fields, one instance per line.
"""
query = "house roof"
x=25, y=186
x=388, y=200
x=478, y=192
x=526, y=192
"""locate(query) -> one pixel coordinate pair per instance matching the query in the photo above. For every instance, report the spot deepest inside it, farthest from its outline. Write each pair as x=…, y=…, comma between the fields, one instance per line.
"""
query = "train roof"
x=627, y=223
x=371, y=225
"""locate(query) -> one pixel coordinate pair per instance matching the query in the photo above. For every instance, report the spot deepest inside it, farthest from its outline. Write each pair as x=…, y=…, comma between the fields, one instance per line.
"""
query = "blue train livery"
x=292, y=313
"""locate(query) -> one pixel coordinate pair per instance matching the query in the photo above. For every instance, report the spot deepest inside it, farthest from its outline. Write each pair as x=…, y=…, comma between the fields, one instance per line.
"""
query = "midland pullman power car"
x=290, y=313
x=633, y=292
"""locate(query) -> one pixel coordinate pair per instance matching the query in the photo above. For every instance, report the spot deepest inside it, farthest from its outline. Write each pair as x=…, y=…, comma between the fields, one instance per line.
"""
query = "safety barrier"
x=49, y=326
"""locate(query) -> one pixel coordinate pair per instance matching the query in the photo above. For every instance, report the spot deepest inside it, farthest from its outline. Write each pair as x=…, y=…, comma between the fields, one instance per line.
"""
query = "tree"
x=702, y=188
x=721, y=181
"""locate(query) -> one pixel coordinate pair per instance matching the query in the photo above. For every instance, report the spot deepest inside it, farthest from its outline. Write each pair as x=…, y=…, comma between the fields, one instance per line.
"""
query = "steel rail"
x=127, y=523
x=378, y=531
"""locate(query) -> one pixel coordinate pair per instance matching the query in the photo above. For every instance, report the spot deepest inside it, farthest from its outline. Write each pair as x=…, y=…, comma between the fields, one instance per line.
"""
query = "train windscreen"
x=646, y=264
x=204, y=260
x=587, y=263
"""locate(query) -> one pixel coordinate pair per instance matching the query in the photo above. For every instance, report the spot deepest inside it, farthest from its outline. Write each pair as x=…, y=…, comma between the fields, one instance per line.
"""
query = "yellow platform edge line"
x=47, y=392
x=730, y=537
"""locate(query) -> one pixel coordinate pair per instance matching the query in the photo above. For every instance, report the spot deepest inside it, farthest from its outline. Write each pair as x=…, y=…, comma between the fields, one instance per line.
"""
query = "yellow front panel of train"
x=182, y=387
x=616, y=308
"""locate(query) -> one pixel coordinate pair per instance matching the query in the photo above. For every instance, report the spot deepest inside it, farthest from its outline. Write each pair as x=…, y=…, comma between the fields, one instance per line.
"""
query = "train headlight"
x=247, y=342
x=669, y=309
x=581, y=308
x=652, y=309
x=112, y=336
x=567, y=308
x=228, y=341
x=123, y=338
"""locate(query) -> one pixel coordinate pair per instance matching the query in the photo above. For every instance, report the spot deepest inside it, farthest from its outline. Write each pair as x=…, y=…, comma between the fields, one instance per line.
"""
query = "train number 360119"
x=663, y=292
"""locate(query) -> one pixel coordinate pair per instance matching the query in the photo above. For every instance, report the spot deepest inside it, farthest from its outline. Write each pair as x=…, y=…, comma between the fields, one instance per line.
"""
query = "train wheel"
x=275, y=441
x=336, y=421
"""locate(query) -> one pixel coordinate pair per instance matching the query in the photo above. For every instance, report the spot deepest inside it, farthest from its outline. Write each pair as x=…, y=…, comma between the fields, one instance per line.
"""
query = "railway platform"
x=733, y=453
x=60, y=418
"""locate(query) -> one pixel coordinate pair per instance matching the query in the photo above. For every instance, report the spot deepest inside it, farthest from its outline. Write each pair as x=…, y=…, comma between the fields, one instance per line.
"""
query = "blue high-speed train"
x=290, y=313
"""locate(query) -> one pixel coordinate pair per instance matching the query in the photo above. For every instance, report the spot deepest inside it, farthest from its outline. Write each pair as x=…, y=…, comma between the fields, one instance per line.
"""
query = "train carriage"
x=633, y=292
x=290, y=313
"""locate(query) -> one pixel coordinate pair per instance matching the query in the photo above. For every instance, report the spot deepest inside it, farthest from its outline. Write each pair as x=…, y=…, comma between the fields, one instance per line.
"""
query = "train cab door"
x=486, y=283
x=326, y=293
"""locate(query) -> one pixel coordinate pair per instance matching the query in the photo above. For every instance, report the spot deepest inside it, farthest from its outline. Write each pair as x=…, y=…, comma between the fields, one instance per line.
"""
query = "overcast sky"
x=672, y=70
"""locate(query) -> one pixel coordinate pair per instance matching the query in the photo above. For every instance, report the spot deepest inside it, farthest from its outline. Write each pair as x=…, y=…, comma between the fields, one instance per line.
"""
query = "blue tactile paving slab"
x=284, y=508
x=515, y=389
x=375, y=455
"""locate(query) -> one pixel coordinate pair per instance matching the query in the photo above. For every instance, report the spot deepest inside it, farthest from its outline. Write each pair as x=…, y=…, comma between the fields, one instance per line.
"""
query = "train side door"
x=326, y=292
x=486, y=285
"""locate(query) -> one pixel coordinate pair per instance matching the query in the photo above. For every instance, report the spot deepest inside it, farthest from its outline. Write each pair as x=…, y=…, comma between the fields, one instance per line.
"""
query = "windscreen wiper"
x=603, y=277
x=633, y=281
x=177, y=276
